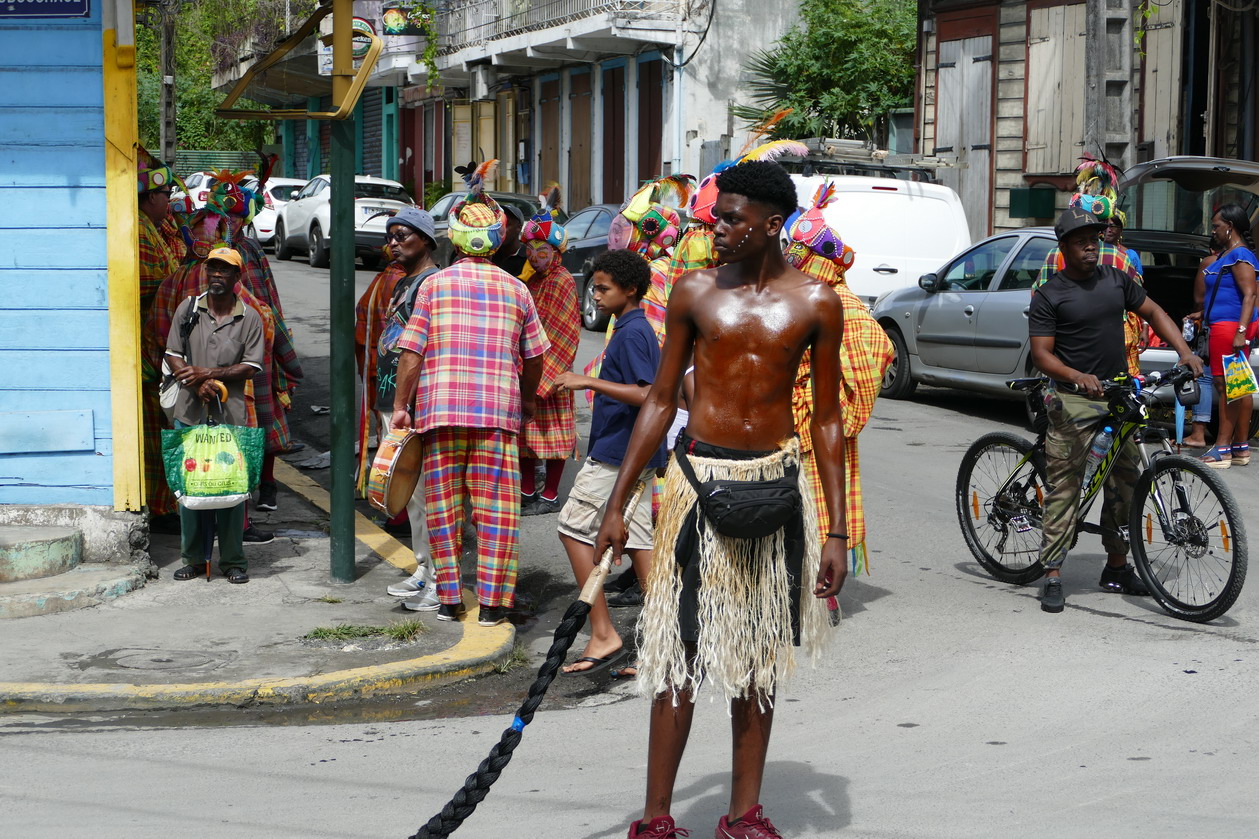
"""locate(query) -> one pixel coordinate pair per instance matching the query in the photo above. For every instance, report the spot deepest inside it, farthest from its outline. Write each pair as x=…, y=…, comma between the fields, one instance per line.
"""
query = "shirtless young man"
x=747, y=322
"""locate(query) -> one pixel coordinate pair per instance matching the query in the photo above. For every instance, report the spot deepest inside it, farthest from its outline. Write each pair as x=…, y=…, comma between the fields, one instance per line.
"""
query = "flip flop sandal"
x=597, y=665
x=1241, y=454
x=1218, y=458
x=621, y=674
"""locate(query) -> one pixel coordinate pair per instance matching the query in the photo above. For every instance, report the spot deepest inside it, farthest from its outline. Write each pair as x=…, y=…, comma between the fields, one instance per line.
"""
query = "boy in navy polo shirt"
x=619, y=281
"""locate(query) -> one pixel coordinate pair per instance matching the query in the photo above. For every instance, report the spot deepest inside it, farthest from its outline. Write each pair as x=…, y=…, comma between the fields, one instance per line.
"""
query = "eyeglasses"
x=400, y=236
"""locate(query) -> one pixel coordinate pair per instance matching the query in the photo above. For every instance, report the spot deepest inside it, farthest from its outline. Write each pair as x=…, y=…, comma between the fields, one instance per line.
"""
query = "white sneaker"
x=425, y=601
x=406, y=588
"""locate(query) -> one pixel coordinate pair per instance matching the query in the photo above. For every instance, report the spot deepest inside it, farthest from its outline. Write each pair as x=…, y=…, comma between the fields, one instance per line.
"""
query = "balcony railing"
x=478, y=21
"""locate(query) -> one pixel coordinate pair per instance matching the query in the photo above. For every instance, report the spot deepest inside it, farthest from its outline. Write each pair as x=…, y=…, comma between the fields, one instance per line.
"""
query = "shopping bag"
x=1239, y=379
x=210, y=467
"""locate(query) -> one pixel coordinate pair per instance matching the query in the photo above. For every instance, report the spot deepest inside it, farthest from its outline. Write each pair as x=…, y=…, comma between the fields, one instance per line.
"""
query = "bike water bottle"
x=1101, y=443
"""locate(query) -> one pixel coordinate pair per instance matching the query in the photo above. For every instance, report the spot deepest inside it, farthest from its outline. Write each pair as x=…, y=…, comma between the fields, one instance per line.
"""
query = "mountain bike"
x=1185, y=527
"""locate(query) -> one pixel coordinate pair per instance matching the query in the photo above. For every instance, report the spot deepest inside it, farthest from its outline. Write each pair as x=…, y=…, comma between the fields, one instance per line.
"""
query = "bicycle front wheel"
x=1188, y=539
x=999, y=497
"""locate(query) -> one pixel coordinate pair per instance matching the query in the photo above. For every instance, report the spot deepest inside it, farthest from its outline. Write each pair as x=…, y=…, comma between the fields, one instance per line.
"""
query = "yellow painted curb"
x=478, y=651
x=388, y=548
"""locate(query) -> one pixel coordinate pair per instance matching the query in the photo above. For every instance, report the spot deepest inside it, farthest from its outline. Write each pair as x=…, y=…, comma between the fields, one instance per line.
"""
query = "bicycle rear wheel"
x=1188, y=539
x=999, y=497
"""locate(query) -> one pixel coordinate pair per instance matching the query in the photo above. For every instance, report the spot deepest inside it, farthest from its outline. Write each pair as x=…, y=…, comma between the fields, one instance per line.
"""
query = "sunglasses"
x=400, y=236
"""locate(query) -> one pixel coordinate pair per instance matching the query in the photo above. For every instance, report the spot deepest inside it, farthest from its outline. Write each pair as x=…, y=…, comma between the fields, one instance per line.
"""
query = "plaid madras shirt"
x=472, y=325
x=1133, y=327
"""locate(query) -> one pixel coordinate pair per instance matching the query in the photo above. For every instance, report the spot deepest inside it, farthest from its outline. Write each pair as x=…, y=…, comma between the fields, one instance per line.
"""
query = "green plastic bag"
x=209, y=467
x=1239, y=379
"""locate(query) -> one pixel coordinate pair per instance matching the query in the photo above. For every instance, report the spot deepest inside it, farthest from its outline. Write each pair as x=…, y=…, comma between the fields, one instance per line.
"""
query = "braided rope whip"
x=477, y=785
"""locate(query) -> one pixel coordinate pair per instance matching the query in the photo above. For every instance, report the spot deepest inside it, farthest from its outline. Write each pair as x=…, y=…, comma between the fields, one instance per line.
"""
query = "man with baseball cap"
x=411, y=238
x=225, y=344
x=1076, y=324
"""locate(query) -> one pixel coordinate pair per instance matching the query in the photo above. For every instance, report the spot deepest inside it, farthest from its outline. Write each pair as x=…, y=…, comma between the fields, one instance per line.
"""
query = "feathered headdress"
x=706, y=195
x=810, y=230
x=1096, y=181
x=649, y=222
x=542, y=226
x=477, y=222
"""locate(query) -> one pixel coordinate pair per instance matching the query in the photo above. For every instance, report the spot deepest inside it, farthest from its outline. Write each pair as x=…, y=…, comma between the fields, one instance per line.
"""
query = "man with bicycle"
x=1076, y=324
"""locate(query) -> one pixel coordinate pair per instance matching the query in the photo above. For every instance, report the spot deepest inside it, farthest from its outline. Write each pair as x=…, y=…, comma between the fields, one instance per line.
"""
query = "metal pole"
x=341, y=304
x=166, y=46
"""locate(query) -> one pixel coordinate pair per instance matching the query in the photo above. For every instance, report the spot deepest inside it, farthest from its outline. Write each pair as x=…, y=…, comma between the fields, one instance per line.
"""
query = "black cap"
x=514, y=211
x=1074, y=219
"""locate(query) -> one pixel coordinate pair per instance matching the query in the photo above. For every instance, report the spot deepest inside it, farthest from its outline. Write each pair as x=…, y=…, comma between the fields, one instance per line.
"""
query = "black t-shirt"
x=513, y=263
x=1086, y=319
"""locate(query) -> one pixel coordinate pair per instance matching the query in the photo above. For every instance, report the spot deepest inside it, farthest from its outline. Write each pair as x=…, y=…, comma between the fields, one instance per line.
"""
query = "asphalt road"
x=948, y=705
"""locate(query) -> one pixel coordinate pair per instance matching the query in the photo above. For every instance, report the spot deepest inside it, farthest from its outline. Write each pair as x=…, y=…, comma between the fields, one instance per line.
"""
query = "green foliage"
x=841, y=70
x=434, y=191
x=406, y=630
x=208, y=35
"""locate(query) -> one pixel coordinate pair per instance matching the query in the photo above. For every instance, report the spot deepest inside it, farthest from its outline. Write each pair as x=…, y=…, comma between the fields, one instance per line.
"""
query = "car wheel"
x=897, y=382
x=591, y=317
x=318, y=248
x=282, y=249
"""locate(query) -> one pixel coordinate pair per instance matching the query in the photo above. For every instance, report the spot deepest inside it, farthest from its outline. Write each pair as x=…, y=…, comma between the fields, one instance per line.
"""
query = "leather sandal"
x=237, y=575
x=189, y=572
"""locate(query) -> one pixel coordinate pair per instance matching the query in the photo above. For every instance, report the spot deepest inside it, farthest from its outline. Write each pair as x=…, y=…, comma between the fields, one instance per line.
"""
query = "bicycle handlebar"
x=1172, y=376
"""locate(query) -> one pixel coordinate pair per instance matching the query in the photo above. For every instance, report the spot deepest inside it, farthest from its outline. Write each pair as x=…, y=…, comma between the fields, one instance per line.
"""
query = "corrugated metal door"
x=549, y=142
x=964, y=126
x=613, y=135
x=578, y=187
x=650, y=119
x=371, y=126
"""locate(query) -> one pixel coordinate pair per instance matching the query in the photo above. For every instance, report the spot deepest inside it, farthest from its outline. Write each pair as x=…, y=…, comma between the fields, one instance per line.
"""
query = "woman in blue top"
x=1114, y=236
x=1229, y=293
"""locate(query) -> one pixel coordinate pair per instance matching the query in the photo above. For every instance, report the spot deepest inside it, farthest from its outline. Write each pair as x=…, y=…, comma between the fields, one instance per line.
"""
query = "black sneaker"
x=492, y=615
x=625, y=580
x=1123, y=581
x=632, y=596
x=266, y=496
x=256, y=536
x=450, y=612
x=1052, y=599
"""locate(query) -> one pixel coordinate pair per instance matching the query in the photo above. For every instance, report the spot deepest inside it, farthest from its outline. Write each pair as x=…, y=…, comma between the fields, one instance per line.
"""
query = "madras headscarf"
x=153, y=173
x=477, y=224
x=543, y=227
x=649, y=223
x=811, y=238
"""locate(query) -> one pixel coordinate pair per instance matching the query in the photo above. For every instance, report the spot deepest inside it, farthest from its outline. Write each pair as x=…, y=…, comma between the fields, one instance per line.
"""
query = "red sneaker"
x=751, y=825
x=661, y=827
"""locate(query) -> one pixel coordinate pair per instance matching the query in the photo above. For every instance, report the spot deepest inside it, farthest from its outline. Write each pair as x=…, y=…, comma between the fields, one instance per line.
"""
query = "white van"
x=899, y=229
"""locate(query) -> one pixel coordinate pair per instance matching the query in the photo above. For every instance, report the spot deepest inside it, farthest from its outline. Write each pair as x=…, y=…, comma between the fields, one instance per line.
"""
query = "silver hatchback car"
x=965, y=326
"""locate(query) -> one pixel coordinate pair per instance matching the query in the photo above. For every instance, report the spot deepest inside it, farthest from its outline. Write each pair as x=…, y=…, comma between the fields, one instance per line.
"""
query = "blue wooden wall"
x=56, y=443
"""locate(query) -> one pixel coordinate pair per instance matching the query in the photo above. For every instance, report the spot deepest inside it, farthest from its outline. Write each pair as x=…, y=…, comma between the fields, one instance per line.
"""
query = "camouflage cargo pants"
x=1073, y=423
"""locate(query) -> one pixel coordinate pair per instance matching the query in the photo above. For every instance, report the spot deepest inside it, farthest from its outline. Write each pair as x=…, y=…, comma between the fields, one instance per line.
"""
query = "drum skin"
x=395, y=472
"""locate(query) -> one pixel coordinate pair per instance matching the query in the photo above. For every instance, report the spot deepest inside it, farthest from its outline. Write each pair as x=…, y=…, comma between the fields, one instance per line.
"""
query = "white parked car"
x=198, y=184
x=305, y=222
x=900, y=229
x=276, y=195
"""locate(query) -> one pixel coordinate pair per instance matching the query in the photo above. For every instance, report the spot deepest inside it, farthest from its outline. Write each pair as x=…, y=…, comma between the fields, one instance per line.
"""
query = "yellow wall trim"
x=123, y=252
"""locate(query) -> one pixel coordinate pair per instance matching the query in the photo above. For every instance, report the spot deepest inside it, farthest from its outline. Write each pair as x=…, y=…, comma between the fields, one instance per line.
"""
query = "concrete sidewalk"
x=198, y=644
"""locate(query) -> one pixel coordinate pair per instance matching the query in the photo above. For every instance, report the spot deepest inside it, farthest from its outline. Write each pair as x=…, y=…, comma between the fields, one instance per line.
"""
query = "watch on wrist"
x=1241, y=330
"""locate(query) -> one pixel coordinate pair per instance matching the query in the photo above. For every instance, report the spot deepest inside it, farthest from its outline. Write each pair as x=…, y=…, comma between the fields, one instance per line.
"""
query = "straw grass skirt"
x=746, y=637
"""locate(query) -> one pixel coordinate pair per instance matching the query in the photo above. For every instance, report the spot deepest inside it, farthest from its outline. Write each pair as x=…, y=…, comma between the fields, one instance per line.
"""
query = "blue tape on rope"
x=517, y=724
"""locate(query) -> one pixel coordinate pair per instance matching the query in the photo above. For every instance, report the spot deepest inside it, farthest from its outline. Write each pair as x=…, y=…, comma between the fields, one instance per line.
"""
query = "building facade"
x=1004, y=93
x=595, y=95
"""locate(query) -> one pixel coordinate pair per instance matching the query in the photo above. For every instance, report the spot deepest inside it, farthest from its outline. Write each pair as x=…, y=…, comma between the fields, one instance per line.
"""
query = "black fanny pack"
x=745, y=509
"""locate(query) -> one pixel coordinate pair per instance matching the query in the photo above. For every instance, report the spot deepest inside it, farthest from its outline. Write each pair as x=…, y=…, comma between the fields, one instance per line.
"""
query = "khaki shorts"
x=583, y=512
